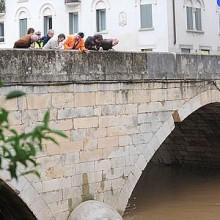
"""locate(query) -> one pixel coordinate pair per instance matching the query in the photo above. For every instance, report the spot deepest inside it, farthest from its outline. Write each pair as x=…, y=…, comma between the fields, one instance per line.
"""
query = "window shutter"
x=22, y=27
x=189, y=15
x=73, y=22
x=146, y=16
x=100, y=20
x=198, y=19
x=2, y=32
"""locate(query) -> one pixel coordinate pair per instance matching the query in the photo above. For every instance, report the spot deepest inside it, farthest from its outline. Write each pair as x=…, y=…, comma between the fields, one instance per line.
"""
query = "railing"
x=72, y=1
x=2, y=6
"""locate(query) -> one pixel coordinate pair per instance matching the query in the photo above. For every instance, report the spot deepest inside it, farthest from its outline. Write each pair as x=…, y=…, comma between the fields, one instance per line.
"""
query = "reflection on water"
x=175, y=193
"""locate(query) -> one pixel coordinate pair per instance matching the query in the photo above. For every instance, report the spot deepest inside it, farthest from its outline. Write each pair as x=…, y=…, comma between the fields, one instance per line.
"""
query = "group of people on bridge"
x=73, y=42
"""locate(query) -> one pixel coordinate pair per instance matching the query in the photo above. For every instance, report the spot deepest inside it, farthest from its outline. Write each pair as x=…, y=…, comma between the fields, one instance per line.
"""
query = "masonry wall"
x=109, y=127
x=116, y=109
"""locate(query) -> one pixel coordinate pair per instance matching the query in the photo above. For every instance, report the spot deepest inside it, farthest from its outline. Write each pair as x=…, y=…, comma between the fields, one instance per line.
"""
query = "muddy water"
x=174, y=193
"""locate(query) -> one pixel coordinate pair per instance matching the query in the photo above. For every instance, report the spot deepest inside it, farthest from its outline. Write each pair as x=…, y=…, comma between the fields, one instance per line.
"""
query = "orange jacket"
x=72, y=43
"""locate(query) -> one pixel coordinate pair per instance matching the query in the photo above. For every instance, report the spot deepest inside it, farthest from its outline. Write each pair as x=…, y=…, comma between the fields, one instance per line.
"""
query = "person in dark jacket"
x=108, y=44
x=93, y=42
x=26, y=41
x=47, y=37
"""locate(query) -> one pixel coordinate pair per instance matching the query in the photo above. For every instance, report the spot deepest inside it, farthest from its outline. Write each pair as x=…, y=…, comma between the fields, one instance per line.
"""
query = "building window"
x=194, y=16
x=198, y=19
x=73, y=22
x=189, y=16
x=219, y=22
x=48, y=24
x=185, y=50
x=205, y=51
x=146, y=16
x=146, y=50
x=100, y=20
x=2, y=32
x=22, y=27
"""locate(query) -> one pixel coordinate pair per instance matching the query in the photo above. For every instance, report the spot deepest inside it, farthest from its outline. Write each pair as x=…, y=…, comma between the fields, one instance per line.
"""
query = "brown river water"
x=175, y=193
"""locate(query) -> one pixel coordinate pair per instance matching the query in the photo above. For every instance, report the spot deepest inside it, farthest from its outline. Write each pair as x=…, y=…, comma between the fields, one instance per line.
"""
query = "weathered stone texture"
x=113, y=127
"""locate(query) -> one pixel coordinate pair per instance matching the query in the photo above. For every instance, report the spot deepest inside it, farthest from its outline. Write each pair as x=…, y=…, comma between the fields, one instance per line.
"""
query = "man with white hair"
x=26, y=41
x=55, y=42
x=47, y=37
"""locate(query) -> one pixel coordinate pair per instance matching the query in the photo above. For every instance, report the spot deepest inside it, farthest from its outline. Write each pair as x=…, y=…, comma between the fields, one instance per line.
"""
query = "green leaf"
x=14, y=94
x=46, y=118
x=60, y=133
x=35, y=172
x=51, y=139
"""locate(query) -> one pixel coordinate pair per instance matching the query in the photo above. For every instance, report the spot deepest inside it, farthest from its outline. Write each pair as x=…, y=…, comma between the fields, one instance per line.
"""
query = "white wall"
x=209, y=38
x=127, y=30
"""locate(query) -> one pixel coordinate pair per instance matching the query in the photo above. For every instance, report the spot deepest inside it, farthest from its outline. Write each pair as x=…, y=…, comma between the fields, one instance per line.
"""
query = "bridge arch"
x=11, y=205
x=191, y=106
x=27, y=194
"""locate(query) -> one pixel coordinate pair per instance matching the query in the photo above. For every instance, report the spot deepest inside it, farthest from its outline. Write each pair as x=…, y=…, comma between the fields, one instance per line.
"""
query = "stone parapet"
x=40, y=66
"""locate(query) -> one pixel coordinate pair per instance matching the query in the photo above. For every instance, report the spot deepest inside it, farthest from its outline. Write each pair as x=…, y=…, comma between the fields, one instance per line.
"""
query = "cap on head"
x=61, y=36
x=98, y=37
x=81, y=34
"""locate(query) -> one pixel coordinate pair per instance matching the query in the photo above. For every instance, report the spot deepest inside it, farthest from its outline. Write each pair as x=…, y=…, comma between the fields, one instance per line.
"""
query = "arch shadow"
x=12, y=206
x=191, y=106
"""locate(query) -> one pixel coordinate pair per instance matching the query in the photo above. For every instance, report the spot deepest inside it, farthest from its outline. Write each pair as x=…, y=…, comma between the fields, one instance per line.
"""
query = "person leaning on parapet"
x=26, y=41
x=55, y=42
x=47, y=37
x=39, y=43
x=30, y=31
x=94, y=42
x=108, y=44
x=75, y=42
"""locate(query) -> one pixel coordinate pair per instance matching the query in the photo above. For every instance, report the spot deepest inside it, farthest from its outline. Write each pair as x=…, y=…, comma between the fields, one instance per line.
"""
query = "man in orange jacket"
x=75, y=42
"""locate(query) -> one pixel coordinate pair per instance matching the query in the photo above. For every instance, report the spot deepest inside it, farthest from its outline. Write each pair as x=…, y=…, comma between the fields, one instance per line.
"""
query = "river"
x=176, y=193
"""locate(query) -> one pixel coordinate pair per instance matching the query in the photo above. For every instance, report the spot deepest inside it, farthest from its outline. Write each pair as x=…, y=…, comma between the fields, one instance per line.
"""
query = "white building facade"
x=188, y=26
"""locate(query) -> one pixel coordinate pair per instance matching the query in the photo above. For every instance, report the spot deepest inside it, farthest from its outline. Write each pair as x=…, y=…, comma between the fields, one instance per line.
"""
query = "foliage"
x=19, y=150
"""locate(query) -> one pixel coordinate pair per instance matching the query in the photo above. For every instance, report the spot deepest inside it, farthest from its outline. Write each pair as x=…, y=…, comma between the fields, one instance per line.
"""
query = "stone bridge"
x=117, y=110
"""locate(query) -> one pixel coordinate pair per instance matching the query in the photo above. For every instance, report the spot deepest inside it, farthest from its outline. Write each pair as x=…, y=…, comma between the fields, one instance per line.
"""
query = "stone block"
x=90, y=144
x=54, y=196
x=91, y=155
x=62, y=100
x=108, y=142
x=62, y=125
x=52, y=185
x=61, y=89
x=36, y=101
x=115, y=173
x=85, y=167
x=124, y=97
x=85, y=99
x=69, y=147
x=105, y=98
x=15, y=118
x=142, y=138
x=10, y=105
x=141, y=96
x=125, y=140
x=41, y=113
x=91, y=122
x=103, y=165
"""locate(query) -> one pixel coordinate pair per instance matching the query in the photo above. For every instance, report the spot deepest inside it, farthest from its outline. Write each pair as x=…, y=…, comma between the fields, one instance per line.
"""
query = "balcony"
x=2, y=7
x=72, y=2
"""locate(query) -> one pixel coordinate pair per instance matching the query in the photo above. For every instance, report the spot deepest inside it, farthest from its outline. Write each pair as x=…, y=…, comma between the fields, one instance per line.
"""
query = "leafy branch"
x=20, y=150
